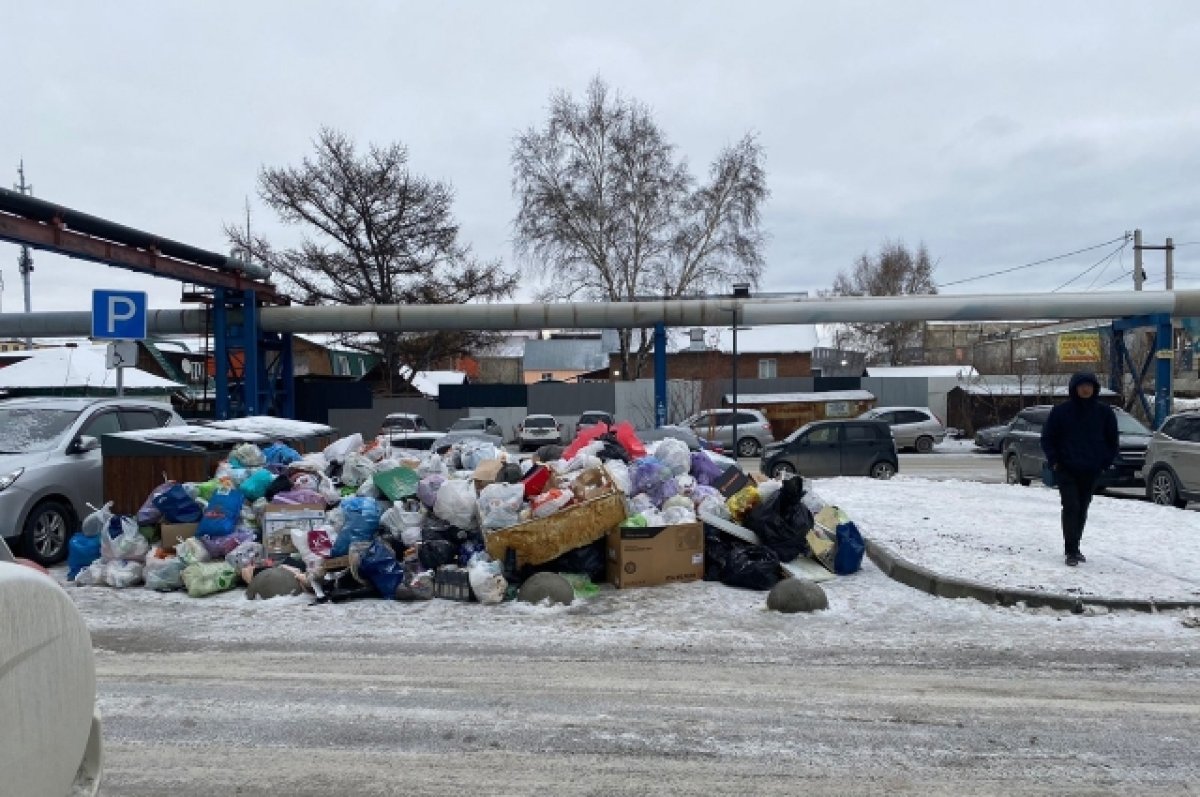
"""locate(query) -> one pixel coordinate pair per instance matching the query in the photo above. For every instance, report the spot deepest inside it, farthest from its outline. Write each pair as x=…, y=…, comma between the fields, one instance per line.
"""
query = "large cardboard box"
x=486, y=473
x=175, y=533
x=648, y=556
x=280, y=519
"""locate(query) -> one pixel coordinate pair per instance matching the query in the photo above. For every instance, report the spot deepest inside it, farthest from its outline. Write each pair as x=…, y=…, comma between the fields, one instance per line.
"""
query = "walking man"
x=1080, y=441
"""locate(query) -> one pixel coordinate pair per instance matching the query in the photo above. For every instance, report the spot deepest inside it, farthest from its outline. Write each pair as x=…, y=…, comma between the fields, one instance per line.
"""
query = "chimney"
x=697, y=339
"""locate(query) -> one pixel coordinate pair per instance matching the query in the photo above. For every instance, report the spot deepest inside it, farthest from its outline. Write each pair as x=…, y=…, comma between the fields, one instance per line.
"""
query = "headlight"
x=7, y=479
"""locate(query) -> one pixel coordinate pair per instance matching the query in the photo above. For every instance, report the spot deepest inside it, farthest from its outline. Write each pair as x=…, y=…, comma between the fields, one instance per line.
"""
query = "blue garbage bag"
x=82, y=550
x=850, y=549
x=222, y=514
x=280, y=454
x=362, y=521
x=378, y=565
x=177, y=506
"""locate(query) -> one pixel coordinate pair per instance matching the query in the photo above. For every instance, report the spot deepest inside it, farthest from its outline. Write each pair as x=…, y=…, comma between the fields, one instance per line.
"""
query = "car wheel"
x=46, y=531
x=924, y=445
x=883, y=470
x=1012, y=471
x=748, y=447
x=1162, y=489
x=782, y=470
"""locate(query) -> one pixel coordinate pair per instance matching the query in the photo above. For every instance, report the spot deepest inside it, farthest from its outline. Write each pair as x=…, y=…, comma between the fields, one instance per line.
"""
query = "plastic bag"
x=94, y=575
x=294, y=497
x=319, y=543
x=618, y=471
x=222, y=514
x=428, y=488
x=536, y=480
x=219, y=547
x=206, y=578
x=588, y=560
x=647, y=473
x=472, y=452
x=585, y=437
x=549, y=502
x=850, y=549
x=397, y=483
x=378, y=565
x=122, y=574
x=248, y=455
x=678, y=514
x=781, y=521
x=149, y=514
x=487, y=583
x=247, y=553
x=361, y=523
x=357, y=470
x=500, y=505
x=675, y=455
x=751, y=567
x=122, y=540
x=163, y=574
x=456, y=503
x=338, y=449
x=176, y=506
x=82, y=550
x=280, y=454
x=662, y=491
x=433, y=553
x=191, y=551
x=97, y=521
x=704, y=469
x=742, y=502
x=628, y=439
x=256, y=484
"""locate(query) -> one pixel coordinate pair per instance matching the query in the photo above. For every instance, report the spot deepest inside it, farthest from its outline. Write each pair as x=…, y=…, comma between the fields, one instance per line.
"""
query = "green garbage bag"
x=205, y=578
x=397, y=483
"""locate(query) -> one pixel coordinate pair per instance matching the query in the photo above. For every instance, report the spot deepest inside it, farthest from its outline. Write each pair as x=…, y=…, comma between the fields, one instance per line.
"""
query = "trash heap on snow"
x=471, y=522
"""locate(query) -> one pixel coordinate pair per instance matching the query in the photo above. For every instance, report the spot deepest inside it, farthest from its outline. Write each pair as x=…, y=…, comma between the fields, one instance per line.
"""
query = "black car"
x=992, y=439
x=834, y=448
x=1023, y=458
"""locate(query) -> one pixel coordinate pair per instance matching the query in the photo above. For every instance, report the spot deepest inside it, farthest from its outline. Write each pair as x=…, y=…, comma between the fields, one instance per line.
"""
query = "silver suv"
x=913, y=427
x=753, y=430
x=50, y=467
x=1172, y=466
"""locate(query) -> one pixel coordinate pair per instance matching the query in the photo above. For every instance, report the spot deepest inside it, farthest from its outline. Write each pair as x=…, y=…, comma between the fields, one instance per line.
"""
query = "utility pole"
x=1170, y=264
x=1138, y=274
x=25, y=263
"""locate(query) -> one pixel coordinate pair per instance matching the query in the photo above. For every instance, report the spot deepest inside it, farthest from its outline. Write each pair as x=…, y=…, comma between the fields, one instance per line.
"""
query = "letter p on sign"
x=118, y=315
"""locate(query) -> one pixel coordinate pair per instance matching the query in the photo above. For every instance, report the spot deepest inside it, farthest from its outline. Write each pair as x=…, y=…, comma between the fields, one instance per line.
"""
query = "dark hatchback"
x=834, y=448
x=1023, y=458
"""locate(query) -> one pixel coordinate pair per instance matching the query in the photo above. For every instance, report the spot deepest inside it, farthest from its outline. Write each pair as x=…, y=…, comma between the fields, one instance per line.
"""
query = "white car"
x=913, y=427
x=538, y=430
x=52, y=739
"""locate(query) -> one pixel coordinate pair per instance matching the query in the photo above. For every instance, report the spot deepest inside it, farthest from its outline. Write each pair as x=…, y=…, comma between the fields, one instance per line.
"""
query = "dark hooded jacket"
x=1081, y=434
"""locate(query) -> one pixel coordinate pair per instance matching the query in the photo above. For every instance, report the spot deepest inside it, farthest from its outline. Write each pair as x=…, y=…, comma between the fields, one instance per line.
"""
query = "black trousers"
x=1075, y=488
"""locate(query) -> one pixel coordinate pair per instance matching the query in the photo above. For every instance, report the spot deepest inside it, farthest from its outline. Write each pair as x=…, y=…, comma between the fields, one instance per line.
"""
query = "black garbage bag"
x=716, y=552
x=612, y=449
x=434, y=553
x=550, y=452
x=751, y=567
x=588, y=559
x=280, y=484
x=782, y=521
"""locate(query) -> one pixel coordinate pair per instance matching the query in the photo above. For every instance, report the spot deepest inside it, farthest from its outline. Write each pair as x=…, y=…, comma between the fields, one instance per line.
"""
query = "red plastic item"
x=587, y=435
x=629, y=440
x=536, y=480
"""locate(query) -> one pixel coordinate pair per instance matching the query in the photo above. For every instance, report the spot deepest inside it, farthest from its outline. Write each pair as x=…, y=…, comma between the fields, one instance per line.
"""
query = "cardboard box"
x=486, y=473
x=280, y=519
x=175, y=533
x=731, y=481
x=645, y=557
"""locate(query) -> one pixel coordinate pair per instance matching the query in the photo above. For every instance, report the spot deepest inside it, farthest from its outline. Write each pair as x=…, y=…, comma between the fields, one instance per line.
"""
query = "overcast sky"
x=997, y=133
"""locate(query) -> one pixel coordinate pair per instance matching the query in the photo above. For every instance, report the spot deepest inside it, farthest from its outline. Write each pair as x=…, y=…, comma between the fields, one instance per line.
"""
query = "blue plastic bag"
x=256, y=484
x=379, y=565
x=362, y=521
x=177, y=506
x=280, y=454
x=222, y=515
x=850, y=549
x=82, y=550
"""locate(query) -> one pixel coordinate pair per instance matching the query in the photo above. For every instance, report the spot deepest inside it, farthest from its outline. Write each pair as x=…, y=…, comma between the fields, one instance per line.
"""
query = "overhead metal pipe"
x=688, y=312
x=29, y=207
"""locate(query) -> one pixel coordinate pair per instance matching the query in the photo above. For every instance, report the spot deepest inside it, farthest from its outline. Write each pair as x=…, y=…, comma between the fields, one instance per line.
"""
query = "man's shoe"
x=1080, y=557
x=1072, y=560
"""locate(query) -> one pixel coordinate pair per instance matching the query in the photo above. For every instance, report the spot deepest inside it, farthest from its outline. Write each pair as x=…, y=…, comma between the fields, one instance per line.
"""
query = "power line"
x=1118, y=279
x=1106, y=258
x=1036, y=262
x=1103, y=271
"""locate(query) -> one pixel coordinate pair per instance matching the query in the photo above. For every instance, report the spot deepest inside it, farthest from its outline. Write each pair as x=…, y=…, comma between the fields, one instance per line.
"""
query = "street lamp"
x=741, y=290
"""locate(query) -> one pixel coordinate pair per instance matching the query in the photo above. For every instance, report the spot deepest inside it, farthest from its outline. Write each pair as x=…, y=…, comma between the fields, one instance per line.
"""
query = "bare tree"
x=895, y=271
x=375, y=233
x=608, y=212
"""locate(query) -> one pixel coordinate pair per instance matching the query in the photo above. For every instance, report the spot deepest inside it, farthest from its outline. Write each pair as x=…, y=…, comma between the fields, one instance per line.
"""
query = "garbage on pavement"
x=473, y=522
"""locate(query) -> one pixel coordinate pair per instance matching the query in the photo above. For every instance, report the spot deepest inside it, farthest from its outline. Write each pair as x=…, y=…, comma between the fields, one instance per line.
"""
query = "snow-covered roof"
x=429, y=383
x=801, y=398
x=770, y=339
x=72, y=368
x=1023, y=390
x=196, y=434
x=928, y=371
x=271, y=426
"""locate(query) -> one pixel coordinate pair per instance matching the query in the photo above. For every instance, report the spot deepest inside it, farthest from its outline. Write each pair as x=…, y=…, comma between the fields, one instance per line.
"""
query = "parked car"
x=1173, y=461
x=477, y=423
x=407, y=430
x=50, y=466
x=682, y=433
x=538, y=430
x=913, y=427
x=992, y=438
x=857, y=447
x=753, y=430
x=1023, y=457
x=53, y=742
x=593, y=417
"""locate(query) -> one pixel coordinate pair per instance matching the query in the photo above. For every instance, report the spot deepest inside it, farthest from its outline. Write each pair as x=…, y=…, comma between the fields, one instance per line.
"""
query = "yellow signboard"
x=1079, y=347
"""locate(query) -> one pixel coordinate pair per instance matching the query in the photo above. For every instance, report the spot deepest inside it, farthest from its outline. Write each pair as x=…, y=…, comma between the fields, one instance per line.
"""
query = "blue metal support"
x=1162, y=356
x=220, y=327
x=660, y=374
x=253, y=373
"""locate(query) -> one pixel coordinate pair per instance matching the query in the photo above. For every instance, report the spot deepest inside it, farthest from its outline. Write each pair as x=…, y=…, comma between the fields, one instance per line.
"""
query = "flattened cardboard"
x=649, y=556
x=175, y=533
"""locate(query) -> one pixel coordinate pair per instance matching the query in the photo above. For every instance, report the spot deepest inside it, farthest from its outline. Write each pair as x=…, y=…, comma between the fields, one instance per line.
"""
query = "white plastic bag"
x=250, y=553
x=472, y=452
x=163, y=575
x=97, y=522
x=339, y=449
x=249, y=455
x=122, y=574
x=500, y=505
x=128, y=543
x=357, y=470
x=678, y=514
x=768, y=488
x=486, y=580
x=711, y=505
x=456, y=503
x=94, y=575
x=675, y=455
x=619, y=472
x=191, y=551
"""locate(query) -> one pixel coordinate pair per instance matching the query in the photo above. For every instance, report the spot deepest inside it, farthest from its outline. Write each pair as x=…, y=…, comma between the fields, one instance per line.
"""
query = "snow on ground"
x=1007, y=535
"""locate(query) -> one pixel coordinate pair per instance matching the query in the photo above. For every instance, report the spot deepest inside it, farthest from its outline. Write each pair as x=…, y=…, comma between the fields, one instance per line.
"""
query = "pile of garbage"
x=471, y=522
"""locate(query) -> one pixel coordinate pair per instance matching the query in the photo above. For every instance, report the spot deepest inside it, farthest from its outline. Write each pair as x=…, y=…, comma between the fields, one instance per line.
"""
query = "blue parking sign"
x=119, y=315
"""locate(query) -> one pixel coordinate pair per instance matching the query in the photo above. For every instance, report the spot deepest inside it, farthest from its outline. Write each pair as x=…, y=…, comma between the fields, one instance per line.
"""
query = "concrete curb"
x=926, y=580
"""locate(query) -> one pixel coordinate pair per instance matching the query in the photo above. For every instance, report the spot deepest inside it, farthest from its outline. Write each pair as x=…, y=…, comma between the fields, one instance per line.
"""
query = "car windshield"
x=467, y=424
x=540, y=423
x=1127, y=424
x=796, y=434
x=27, y=429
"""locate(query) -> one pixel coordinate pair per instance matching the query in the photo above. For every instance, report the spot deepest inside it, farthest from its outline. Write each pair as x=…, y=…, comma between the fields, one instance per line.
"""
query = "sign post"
x=119, y=317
